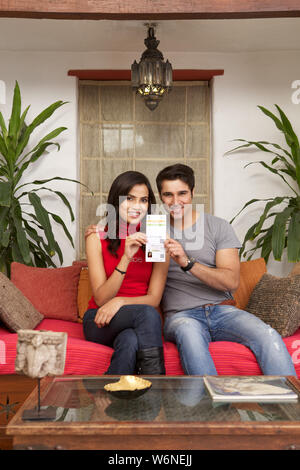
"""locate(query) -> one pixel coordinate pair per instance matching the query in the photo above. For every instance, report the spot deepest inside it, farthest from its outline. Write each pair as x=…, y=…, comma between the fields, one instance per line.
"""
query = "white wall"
x=250, y=79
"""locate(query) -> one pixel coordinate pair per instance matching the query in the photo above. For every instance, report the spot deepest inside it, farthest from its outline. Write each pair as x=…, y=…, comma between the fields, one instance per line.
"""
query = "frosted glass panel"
x=117, y=140
x=116, y=103
x=90, y=140
x=197, y=103
x=89, y=103
x=113, y=167
x=159, y=141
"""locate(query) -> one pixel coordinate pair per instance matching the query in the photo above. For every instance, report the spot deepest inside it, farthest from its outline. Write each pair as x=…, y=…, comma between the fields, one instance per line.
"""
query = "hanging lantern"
x=151, y=77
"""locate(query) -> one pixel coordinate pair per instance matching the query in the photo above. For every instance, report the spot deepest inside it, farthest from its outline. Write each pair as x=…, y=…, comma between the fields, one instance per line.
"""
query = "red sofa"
x=61, y=295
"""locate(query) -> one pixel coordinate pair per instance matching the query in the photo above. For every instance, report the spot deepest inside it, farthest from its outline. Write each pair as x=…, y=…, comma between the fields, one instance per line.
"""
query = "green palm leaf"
x=276, y=201
x=279, y=232
x=35, y=123
x=15, y=118
x=27, y=236
x=5, y=193
x=284, y=233
x=22, y=240
x=43, y=218
x=58, y=193
x=293, y=238
x=3, y=127
x=61, y=222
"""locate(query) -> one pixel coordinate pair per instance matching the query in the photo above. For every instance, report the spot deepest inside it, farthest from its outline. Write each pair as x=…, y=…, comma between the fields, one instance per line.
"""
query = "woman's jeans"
x=133, y=328
x=192, y=331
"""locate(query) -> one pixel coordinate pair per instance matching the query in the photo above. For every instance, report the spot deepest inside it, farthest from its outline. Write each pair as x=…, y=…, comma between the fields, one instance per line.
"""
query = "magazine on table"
x=262, y=389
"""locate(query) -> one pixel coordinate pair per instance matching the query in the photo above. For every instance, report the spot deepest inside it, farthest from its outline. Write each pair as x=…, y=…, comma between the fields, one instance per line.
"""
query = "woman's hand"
x=108, y=311
x=133, y=243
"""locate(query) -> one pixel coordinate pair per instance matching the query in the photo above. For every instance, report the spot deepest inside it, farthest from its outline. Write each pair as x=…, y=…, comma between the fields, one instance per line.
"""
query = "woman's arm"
x=153, y=296
x=103, y=289
x=155, y=289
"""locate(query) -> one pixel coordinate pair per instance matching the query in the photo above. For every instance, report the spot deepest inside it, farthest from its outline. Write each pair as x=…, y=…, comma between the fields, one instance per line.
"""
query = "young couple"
x=195, y=284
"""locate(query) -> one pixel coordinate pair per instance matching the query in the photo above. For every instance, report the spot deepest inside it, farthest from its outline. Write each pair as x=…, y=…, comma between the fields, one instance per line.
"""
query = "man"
x=204, y=271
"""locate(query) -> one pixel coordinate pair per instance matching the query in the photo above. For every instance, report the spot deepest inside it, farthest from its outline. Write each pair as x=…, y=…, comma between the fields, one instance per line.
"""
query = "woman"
x=126, y=289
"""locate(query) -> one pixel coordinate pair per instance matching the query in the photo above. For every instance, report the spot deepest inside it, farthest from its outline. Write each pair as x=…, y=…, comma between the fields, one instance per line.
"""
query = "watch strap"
x=189, y=266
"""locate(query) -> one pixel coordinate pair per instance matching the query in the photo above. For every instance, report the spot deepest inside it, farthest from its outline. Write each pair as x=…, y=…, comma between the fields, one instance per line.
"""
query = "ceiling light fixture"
x=151, y=77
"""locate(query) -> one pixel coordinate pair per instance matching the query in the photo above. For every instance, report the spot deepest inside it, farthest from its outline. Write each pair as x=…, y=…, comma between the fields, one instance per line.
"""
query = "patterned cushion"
x=16, y=311
x=276, y=301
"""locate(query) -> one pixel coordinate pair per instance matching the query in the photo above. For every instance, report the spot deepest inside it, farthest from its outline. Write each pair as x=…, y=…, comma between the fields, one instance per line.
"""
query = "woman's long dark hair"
x=121, y=186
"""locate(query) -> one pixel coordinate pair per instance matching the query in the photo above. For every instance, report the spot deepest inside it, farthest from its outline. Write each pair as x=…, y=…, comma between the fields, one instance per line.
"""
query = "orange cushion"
x=251, y=272
x=52, y=291
x=84, y=293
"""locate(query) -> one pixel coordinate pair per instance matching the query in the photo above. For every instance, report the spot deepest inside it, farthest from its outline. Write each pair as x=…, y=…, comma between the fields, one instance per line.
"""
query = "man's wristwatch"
x=190, y=264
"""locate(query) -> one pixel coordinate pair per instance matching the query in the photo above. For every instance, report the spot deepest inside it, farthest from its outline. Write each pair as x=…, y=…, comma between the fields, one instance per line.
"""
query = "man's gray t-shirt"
x=184, y=291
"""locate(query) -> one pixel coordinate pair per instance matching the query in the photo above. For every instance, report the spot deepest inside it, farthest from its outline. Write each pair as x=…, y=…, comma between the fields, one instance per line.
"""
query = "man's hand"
x=91, y=229
x=107, y=312
x=175, y=250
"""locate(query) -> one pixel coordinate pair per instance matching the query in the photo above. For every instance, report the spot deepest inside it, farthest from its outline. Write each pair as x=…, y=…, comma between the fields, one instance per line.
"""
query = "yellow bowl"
x=128, y=387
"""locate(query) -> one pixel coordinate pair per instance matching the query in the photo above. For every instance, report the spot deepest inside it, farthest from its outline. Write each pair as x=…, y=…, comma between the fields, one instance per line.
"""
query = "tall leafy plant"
x=26, y=233
x=278, y=227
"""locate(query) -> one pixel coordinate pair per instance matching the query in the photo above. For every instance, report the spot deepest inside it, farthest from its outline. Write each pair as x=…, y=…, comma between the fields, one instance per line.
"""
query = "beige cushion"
x=276, y=301
x=16, y=312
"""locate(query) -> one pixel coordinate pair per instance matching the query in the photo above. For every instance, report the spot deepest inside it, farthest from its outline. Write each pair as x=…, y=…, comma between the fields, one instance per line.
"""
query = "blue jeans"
x=133, y=328
x=192, y=331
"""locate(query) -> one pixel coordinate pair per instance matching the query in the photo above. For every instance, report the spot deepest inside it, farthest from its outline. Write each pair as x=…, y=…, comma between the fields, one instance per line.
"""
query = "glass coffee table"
x=175, y=413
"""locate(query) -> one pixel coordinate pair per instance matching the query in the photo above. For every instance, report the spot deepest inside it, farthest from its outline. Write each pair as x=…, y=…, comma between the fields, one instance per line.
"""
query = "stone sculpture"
x=41, y=353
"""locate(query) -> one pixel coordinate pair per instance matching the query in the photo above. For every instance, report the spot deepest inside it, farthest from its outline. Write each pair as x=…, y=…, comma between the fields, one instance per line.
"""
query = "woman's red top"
x=135, y=281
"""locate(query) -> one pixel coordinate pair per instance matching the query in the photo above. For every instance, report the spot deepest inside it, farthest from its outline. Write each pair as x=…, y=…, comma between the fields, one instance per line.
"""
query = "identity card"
x=156, y=232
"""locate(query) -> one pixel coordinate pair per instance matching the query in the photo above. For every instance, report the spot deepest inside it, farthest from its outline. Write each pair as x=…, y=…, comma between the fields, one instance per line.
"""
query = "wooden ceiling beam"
x=149, y=9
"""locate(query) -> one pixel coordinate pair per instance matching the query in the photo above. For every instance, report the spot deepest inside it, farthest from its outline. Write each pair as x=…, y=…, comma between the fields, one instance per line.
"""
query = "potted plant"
x=278, y=227
x=26, y=233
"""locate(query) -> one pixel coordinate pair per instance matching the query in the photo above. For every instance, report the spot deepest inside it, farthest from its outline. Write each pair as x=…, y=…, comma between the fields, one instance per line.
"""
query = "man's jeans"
x=133, y=328
x=192, y=331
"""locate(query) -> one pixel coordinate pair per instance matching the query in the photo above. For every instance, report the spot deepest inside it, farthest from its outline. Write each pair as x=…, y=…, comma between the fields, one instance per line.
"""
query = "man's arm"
x=225, y=276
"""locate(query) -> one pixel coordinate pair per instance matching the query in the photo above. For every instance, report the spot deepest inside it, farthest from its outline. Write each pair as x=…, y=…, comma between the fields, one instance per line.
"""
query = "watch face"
x=190, y=264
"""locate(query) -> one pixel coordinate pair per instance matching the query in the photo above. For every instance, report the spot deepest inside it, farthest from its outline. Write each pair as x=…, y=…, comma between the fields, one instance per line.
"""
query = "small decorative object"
x=40, y=353
x=151, y=77
x=129, y=386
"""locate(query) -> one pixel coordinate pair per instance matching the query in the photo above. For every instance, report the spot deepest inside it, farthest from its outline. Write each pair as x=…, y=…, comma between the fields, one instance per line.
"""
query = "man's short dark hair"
x=176, y=172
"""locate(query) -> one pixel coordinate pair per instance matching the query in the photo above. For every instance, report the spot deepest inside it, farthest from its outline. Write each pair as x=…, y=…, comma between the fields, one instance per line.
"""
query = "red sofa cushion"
x=87, y=358
x=52, y=291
